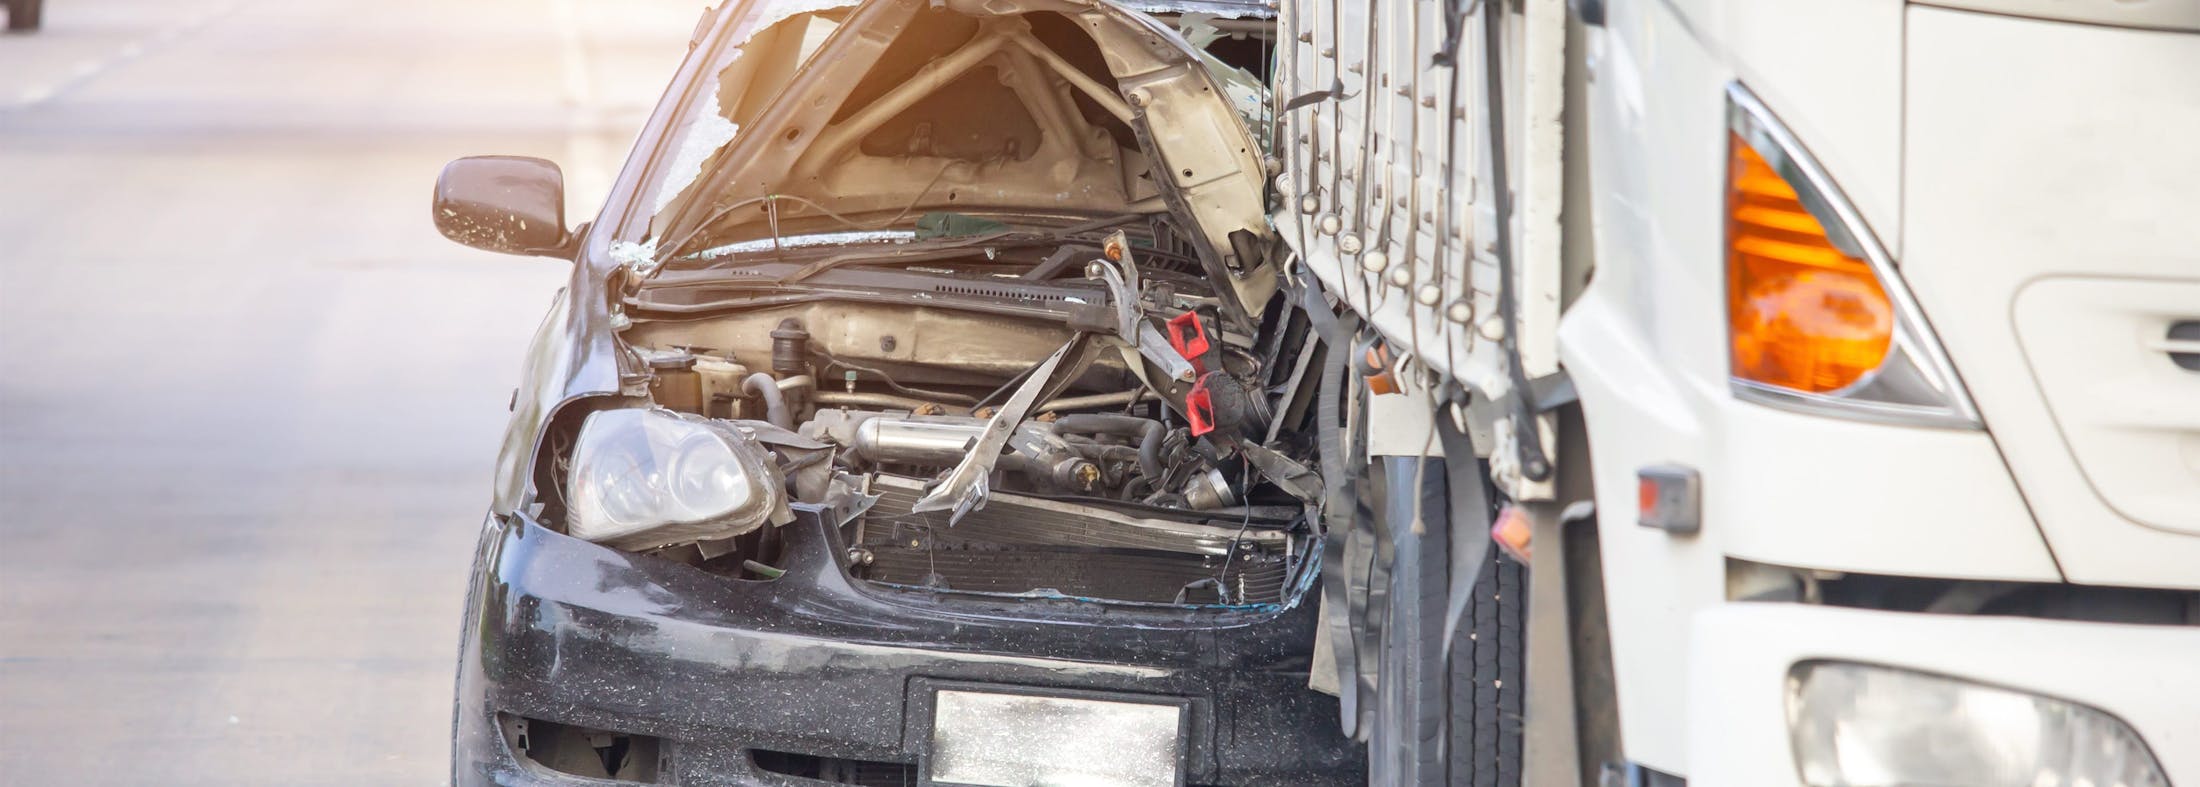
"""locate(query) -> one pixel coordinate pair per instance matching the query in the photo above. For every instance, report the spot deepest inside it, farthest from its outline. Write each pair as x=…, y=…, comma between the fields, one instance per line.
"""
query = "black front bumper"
x=566, y=631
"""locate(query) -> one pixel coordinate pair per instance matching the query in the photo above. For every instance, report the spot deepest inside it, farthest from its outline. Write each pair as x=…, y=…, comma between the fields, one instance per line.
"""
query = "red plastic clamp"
x=1199, y=408
x=1189, y=336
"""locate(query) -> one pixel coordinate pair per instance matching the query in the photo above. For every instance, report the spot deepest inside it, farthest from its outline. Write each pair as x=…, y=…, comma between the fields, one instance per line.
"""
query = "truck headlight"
x=642, y=479
x=1858, y=724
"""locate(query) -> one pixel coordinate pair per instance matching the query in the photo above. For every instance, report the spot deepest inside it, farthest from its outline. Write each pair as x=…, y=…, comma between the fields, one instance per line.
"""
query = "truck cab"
x=1842, y=359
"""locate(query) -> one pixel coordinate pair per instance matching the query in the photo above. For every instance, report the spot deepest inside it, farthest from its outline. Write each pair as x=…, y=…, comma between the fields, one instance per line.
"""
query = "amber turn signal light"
x=1818, y=319
x=1802, y=313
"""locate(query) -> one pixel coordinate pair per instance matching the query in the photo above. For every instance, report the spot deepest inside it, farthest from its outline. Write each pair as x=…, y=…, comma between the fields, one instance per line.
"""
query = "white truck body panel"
x=2054, y=235
x=1833, y=73
x=1647, y=350
x=1646, y=347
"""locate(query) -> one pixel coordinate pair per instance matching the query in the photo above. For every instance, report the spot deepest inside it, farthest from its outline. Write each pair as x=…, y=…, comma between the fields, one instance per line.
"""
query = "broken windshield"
x=958, y=118
x=784, y=34
x=979, y=117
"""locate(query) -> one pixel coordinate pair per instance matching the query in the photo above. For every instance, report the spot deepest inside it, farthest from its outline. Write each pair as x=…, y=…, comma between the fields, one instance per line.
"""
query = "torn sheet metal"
x=964, y=488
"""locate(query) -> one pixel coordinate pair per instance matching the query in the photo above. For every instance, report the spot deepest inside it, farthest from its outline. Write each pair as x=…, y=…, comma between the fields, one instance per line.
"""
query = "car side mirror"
x=505, y=204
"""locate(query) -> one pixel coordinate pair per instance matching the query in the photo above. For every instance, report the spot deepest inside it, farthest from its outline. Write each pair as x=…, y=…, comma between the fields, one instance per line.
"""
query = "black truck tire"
x=1443, y=721
x=23, y=15
x=1488, y=678
x=1409, y=740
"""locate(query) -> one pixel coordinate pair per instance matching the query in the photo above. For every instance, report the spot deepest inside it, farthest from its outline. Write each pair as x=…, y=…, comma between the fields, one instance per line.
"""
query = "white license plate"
x=984, y=739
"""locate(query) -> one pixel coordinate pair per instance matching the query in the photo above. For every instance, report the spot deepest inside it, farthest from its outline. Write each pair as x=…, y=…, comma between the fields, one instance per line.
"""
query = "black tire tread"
x=1411, y=738
x=1486, y=671
x=1425, y=679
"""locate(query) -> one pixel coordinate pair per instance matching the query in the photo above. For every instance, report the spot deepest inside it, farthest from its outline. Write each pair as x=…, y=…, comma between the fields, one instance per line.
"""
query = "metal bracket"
x=1131, y=325
x=1552, y=391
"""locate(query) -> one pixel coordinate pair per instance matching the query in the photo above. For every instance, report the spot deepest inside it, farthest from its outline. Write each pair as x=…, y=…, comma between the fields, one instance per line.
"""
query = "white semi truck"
x=1834, y=364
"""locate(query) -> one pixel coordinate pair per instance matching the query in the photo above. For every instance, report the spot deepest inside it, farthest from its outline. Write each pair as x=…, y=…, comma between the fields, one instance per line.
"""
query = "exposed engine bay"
x=1100, y=432
x=996, y=292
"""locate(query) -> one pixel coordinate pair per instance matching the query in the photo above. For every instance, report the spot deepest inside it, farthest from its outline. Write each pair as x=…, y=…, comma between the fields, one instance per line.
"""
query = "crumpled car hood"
x=1062, y=108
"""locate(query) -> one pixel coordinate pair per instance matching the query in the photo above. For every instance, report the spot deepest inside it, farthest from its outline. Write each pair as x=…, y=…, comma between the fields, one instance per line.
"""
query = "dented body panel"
x=813, y=663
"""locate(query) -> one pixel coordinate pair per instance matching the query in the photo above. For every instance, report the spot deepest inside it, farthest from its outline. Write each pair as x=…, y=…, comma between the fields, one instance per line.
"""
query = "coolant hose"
x=762, y=386
x=1148, y=431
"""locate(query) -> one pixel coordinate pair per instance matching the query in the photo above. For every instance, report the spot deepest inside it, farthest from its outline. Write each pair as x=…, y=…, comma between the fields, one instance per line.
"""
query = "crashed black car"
x=928, y=405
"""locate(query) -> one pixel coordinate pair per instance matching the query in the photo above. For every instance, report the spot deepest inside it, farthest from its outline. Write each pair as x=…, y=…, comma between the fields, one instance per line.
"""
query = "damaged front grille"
x=1019, y=545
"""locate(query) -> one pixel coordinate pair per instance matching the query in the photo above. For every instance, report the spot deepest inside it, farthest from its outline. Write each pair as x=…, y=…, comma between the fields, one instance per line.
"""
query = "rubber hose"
x=1036, y=470
x=762, y=386
x=1100, y=452
x=1149, y=432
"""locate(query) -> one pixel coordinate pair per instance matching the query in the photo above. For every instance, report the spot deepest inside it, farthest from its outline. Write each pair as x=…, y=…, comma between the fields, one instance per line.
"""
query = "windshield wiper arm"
x=933, y=250
x=927, y=252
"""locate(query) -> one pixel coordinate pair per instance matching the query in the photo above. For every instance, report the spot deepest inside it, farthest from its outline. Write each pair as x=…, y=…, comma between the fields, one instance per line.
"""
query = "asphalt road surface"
x=249, y=400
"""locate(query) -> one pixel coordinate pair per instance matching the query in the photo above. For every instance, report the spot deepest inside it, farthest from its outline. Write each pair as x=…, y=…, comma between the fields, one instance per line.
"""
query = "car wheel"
x=23, y=14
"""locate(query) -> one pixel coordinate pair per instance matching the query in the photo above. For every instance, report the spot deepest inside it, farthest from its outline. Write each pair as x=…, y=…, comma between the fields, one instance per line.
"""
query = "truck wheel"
x=23, y=14
x=1406, y=747
x=1440, y=723
x=1488, y=678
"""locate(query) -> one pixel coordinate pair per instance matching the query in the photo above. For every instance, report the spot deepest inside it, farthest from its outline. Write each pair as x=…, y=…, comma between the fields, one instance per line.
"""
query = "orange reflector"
x=1514, y=533
x=1801, y=313
x=1379, y=380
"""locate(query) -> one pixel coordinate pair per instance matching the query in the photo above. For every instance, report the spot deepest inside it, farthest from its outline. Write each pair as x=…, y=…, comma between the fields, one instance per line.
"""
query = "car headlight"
x=642, y=479
x=1857, y=724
